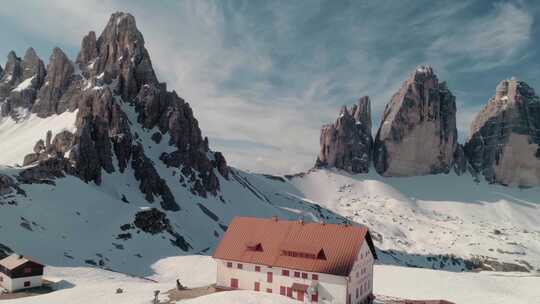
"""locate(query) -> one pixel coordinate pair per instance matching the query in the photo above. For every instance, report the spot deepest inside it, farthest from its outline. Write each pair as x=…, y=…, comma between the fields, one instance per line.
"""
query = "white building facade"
x=296, y=277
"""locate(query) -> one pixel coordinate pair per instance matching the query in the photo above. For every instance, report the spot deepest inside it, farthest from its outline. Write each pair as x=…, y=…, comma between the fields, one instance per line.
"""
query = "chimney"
x=20, y=256
x=275, y=218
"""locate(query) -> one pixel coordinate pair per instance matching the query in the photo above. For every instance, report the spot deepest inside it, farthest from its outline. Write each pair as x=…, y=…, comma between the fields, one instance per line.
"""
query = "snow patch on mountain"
x=19, y=137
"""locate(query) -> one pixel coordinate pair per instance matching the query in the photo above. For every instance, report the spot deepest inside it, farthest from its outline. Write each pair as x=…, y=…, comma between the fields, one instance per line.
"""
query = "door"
x=257, y=286
x=234, y=283
x=300, y=295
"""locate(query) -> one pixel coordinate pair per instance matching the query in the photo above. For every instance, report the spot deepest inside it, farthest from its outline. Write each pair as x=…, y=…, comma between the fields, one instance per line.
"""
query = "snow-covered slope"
x=18, y=138
x=415, y=219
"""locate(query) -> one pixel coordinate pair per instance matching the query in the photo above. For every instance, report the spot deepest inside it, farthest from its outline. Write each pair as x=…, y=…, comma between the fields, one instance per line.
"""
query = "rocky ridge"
x=418, y=135
x=347, y=144
x=504, y=146
x=111, y=79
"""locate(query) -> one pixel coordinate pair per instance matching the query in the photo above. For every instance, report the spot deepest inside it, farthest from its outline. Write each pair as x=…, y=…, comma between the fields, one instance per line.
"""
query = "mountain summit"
x=111, y=80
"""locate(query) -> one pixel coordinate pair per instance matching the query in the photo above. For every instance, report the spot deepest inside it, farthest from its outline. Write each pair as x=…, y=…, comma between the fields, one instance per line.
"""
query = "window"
x=269, y=290
x=269, y=277
x=27, y=284
x=315, y=277
x=304, y=275
x=229, y=265
x=289, y=292
x=357, y=293
x=285, y=273
x=314, y=297
x=27, y=270
x=258, y=268
x=296, y=274
x=257, y=286
x=282, y=290
x=234, y=283
x=254, y=247
x=1, y=279
x=239, y=266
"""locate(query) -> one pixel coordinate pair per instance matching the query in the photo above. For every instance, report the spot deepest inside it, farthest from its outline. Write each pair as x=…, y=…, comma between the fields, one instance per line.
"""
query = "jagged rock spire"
x=504, y=144
x=33, y=66
x=347, y=144
x=13, y=69
x=119, y=52
x=20, y=83
x=418, y=134
x=59, y=76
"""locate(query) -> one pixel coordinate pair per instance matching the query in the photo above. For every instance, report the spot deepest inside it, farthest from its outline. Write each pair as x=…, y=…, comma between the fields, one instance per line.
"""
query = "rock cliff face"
x=118, y=98
x=347, y=144
x=20, y=83
x=418, y=134
x=504, y=144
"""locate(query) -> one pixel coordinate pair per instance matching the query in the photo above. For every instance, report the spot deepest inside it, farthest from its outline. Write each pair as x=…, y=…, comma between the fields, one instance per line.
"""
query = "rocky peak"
x=20, y=83
x=347, y=144
x=117, y=76
x=88, y=49
x=59, y=76
x=118, y=53
x=504, y=144
x=32, y=66
x=361, y=112
x=13, y=69
x=418, y=134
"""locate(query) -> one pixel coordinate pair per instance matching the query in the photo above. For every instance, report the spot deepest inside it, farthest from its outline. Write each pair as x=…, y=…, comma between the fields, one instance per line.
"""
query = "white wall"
x=331, y=288
x=5, y=282
x=12, y=285
x=361, y=276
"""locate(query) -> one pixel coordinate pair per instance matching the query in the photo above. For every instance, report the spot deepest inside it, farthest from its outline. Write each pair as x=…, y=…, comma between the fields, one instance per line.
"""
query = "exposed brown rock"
x=20, y=84
x=504, y=146
x=418, y=134
x=59, y=76
x=347, y=144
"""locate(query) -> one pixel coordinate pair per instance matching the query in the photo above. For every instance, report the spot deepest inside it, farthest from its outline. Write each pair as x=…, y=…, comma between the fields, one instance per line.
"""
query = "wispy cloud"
x=498, y=38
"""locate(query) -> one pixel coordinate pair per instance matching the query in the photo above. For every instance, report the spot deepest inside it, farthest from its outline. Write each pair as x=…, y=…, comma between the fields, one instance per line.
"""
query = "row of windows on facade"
x=362, y=272
x=364, y=288
x=284, y=291
x=284, y=272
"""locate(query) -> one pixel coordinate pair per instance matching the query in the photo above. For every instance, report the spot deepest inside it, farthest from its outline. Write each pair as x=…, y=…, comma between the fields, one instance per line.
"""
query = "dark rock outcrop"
x=46, y=171
x=418, y=134
x=59, y=77
x=504, y=145
x=20, y=84
x=347, y=144
x=151, y=184
x=8, y=186
x=154, y=221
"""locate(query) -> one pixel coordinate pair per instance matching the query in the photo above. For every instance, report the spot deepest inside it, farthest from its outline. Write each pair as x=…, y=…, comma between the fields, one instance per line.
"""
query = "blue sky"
x=263, y=76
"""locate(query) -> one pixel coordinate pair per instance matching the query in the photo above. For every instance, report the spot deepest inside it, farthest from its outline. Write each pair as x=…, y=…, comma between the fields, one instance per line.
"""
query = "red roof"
x=340, y=244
